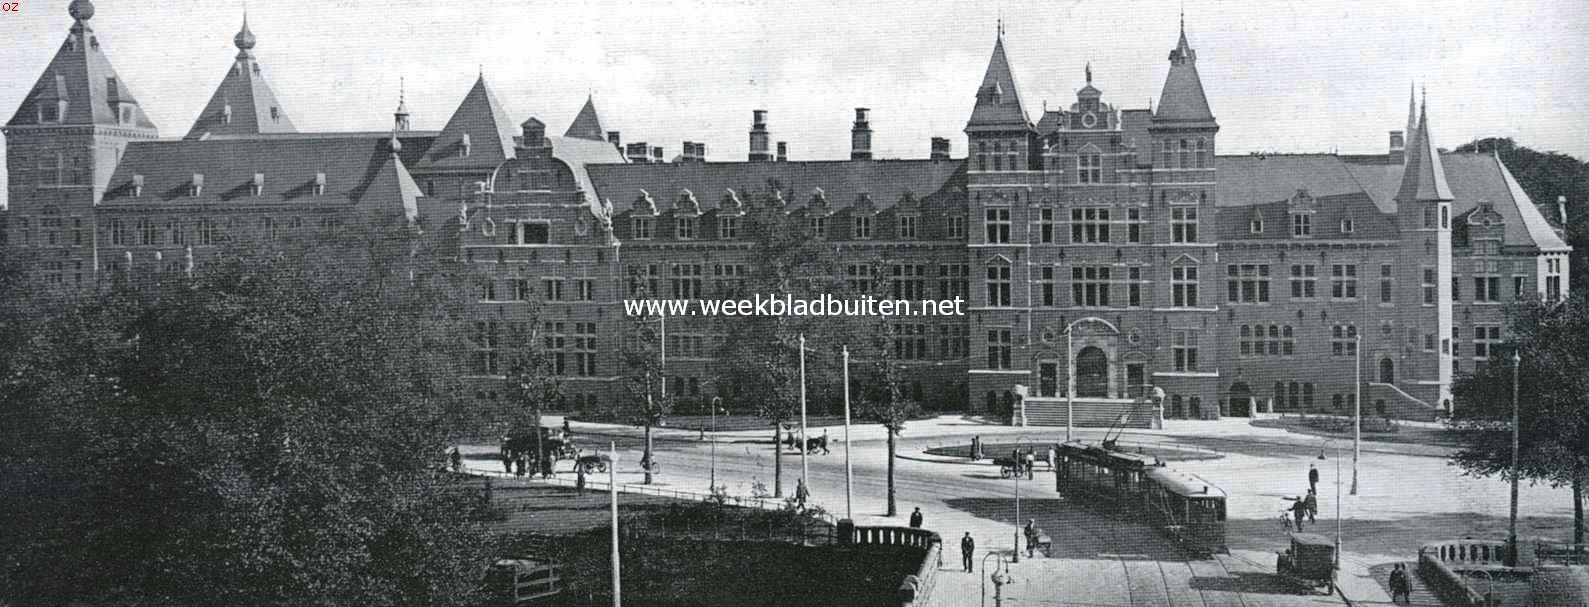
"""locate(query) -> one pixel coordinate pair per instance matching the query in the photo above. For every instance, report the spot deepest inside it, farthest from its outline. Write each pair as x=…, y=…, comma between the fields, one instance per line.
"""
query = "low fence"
x=1440, y=565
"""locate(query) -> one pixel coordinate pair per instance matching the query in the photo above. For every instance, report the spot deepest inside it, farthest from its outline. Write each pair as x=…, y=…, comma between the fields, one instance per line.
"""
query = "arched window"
x=1387, y=371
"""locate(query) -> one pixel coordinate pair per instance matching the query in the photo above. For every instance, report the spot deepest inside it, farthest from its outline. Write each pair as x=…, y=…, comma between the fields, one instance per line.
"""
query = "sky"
x=1281, y=76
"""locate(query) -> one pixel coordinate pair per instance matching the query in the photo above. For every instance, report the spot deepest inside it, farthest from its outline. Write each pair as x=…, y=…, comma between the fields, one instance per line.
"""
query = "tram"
x=1185, y=507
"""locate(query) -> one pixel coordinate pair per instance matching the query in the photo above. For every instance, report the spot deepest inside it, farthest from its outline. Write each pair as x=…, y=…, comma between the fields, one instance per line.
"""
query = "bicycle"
x=1285, y=521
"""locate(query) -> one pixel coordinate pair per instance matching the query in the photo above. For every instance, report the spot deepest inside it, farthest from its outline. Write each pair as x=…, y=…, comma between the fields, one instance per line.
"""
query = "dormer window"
x=275, y=114
x=51, y=112
x=1346, y=225
x=137, y=186
x=464, y=146
x=196, y=187
x=256, y=187
x=1301, y=225
x=126, y=116
x=1255, y=225
x=640, y=228
x=226, y=114
x=319, y=184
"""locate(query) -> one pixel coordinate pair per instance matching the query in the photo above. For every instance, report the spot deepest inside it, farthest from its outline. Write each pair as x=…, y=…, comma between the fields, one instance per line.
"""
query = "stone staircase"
x=1422, y=595
x=1089, y=412
x=1398, y=404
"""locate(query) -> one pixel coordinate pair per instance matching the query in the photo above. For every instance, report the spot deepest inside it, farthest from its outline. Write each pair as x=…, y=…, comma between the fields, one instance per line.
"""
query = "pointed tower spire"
x=244, y=103
x=998, y=99
x=80, y=87
x=1424, y=179
x=479, y=134
x=1412, y=114
x=1183, y=100
x=400, y=117
x=587, y=125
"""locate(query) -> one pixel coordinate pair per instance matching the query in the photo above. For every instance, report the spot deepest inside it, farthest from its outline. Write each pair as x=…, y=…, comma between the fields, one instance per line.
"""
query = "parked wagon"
x=592, y=464
x=1009, y=467
x=1310, y=562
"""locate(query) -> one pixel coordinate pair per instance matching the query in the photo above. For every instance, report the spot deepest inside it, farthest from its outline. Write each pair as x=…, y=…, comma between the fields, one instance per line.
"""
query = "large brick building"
x=1101, y=249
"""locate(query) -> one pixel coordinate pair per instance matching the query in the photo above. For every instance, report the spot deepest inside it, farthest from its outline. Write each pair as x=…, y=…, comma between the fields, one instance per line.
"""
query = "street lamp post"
x=716, y=401
x=1070, y=387
x=1511, y=533
x=612, y=493
x=805, y=470
x=1337, y=498
x=849, y=506
x=1019, y=440
x=1357, y=409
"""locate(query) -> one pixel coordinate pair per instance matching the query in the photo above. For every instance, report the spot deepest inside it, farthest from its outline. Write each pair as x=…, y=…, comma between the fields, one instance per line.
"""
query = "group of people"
x=1400, y=585
x=1307, y=505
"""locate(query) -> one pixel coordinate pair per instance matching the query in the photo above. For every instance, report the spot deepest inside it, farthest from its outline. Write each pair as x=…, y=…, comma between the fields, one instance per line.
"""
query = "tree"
x=1552, y=340
x=270, y=431
x=882, y=384
x=645, y=380
x=1544, y=176
x=534, y=385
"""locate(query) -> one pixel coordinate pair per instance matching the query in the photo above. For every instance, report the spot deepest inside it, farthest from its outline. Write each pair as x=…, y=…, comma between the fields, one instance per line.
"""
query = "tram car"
x=1185, y=507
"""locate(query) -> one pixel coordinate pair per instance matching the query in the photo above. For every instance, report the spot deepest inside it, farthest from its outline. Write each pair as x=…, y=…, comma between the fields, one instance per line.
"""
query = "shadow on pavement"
x=1077, y=532
x=1248, y=583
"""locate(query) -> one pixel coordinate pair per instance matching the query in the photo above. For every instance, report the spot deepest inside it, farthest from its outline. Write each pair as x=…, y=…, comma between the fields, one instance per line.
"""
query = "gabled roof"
x=81, y=75
x=244, y=103
x=1182, y=100
x=391, y=189
x=1425, y=178
x=1479, y=178
x=490, y=134
x=587, y=125
x=998, y=99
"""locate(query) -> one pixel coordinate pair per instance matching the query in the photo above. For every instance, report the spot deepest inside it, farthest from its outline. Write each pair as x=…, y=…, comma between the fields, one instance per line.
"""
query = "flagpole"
x=805, y=470
x=849, y=507
x=612, y=489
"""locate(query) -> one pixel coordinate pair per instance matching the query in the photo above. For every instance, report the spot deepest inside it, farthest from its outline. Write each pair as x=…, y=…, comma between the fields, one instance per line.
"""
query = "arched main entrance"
x=1240, y=400
x=1092, y=373
x=1387, y=371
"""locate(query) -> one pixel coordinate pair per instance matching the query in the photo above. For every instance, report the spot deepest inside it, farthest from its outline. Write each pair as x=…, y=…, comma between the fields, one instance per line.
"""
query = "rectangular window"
x=1456, y=288
x=584, y=349
x=1089, y=225
x=1343, y=281
x=1183, y=286
x=1183, y=224
x=998, y=285
x=1090, y=168
x=686, y=280
x=1430, y=292
x=858, y=278
x=998, y=226
x=1247, y=283
x=1134, y=287
x=684, y=228
x=863, y=227
x=555, y=343
x=1386, y=283
x=553, y=287
x=640, y=228
x=954, y=280
x=999, y=348
x=1184, y=346
x=1343, y=340
x=1304, y=281
x=909, y=281
x=1486, y=288
x=147, y=235
x=728, y=278
x=1090, y=286
x=1045, y=225
x=818, y=226
x=1134, y=225
x=1046, y=285
x=1517, y=287
x=728, y=228
x=907, y=227
x=208, y=232
x=957, y=227
x=585, y=289
x=1485, y=340
x=910, y=341
x=521, y=289
x=1301, y=225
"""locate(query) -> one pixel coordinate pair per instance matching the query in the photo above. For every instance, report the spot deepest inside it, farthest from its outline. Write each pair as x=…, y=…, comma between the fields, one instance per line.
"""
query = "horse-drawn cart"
x=1010, y=467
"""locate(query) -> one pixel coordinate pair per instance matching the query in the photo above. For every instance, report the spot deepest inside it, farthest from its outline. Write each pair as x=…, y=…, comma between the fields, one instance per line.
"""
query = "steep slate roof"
x=1482, y=177
x=1248, y=180
x=587, y=125
x=1182, y=100
x=1425, y=178
x=490, y=132
x=391, y=189
x=842, y=182
x=998, y=99
x=81, y=74
x=289, y=164
x=250, y=98
x=579, y=154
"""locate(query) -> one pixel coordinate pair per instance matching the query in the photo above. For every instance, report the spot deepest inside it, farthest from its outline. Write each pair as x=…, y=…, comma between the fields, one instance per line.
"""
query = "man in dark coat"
x=456, y=459
x=968, y=547
x=1299, y=509
x=1313, y=478
x=915, y=518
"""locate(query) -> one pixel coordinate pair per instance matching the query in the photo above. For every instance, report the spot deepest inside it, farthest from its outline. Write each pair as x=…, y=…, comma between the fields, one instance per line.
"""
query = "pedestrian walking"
x=1031, y=536
x=1312, y=502
x=579, y=479
x=1053, y=458
x=801, y=493
x=1313, y=478
x=456, y=459
x=1299, y=509
x=915, y=518
x=976, y=448
x=1031, y=464
x=968, y=547
x=1400, y=586
x=567, y=432
x=546, y=466
x=518, y=467
x=507, y=464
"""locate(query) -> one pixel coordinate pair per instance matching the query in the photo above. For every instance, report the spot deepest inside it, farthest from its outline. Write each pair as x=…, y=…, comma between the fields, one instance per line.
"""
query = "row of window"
x=1173, y=154
x=552, y=289
x=1094, y=286
x=1301, y=225
x=1090, y=225
x=684, y=280
x=861, y=227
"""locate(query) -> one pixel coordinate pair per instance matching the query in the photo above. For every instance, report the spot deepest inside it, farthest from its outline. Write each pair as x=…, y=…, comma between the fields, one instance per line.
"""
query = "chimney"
x=691, y=152
x=1561, y=211
x=1398, y=147
x=783, y=151
x=758, y=136
x=639, y=152
x=861, y=135
x=616, y=140
x=940, y=148
x=656, y=155
x=700, y=152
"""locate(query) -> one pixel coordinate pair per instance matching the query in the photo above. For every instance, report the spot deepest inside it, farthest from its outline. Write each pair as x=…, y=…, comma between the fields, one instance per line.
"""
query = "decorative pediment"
x=731, y=204
x=1485, y=215
x=1182, y=197
x=908, y=202
x=1184, y=259
x=999, y=259
x=644, y=205
x=1089, y=149
x=864, y=205
x=686, y=204
x=1302, y=201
